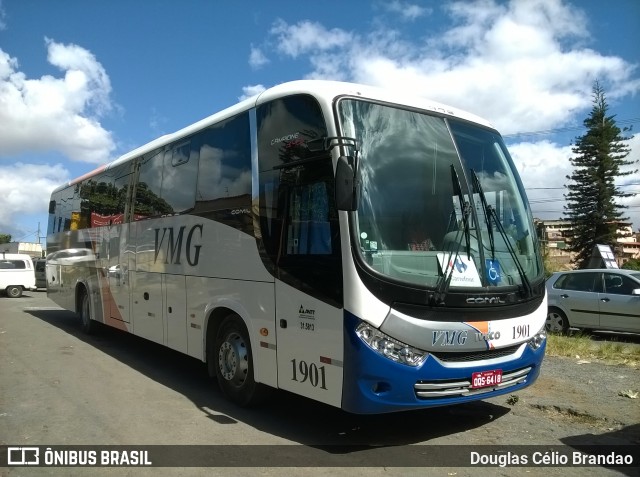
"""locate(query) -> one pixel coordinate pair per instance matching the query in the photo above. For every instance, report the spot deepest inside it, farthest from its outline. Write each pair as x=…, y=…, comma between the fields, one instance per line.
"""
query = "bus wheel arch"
x=230, y=358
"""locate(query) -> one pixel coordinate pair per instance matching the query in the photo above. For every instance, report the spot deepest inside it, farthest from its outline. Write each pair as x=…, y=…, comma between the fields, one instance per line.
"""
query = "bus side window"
x=148, y=190
x=224, y=179
x=179, y=177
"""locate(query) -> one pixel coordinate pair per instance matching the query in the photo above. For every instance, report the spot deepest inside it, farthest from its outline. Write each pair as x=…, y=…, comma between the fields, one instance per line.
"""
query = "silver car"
x=596, y=299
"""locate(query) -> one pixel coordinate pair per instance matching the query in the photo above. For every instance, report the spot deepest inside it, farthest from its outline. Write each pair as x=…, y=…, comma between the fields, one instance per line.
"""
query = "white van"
x=16, y=274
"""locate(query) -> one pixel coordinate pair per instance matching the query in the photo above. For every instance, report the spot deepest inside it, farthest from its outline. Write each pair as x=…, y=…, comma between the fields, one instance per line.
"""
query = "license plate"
x=485, y=379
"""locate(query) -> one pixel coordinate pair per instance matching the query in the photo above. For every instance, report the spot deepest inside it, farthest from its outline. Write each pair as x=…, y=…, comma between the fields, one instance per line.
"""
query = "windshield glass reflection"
x=410, y=219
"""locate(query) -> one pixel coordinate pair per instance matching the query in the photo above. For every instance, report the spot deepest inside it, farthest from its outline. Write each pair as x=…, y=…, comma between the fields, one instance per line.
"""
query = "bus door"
x=308, y=312
x=300, y=236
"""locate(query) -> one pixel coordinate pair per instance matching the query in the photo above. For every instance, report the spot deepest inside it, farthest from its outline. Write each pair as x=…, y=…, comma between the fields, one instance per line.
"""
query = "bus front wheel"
x=234, y=363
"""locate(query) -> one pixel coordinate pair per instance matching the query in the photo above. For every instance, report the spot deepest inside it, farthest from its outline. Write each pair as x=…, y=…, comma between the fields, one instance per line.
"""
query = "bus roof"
x=318, y=88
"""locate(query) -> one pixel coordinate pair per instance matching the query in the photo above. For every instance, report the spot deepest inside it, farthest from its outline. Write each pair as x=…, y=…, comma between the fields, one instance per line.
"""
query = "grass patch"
x=582, y=346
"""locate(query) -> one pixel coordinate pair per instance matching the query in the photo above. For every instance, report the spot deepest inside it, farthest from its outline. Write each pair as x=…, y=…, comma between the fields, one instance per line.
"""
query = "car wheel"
x=557, y=321
x=14, y=291
x=234, y=363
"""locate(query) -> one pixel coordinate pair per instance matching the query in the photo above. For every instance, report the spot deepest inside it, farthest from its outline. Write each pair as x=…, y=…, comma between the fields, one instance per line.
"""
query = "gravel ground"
x=588, y=393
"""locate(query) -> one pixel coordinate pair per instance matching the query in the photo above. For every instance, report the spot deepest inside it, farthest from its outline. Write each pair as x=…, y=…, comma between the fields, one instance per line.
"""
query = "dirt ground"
x=601, y=398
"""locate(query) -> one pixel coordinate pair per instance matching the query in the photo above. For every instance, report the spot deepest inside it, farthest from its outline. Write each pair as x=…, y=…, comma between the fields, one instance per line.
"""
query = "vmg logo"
x=171, y=242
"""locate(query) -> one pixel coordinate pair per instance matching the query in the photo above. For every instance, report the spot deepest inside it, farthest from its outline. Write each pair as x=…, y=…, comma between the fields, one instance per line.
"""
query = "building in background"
x=33, y=249
x=554, y=237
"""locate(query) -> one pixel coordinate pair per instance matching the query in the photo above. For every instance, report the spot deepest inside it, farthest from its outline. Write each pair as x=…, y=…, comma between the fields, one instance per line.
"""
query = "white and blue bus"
x=357, y=246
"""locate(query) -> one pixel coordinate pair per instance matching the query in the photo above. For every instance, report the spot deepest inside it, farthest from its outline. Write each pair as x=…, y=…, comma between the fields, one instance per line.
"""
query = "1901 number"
x=521, y=331
x=309, y=372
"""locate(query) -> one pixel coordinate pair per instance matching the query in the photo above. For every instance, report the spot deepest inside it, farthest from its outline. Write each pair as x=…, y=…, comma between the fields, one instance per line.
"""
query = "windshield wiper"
x=491, y=214
x=486, y=210
x=444, y=281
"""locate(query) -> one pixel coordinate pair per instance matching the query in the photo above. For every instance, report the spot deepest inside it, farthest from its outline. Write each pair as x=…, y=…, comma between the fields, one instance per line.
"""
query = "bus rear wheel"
x=234, y=363
x=88, y=325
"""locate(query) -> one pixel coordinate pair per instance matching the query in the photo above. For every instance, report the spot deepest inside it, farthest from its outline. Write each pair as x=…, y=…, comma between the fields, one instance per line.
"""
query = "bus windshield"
x=438, y=197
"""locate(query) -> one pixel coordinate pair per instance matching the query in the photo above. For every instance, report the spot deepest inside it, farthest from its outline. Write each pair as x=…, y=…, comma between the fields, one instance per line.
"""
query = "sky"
x=83, y=82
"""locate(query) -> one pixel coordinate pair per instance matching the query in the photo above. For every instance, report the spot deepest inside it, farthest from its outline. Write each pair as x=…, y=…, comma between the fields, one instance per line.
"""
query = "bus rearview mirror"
x=345, y=185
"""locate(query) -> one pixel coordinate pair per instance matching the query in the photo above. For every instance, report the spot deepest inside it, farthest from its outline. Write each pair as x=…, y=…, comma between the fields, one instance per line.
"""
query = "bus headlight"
x=390, y=348
x=538, y=339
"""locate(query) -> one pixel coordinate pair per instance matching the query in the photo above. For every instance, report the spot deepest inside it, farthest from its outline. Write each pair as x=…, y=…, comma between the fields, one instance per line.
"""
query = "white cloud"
x=407, y=11
x=631, y=183
x=521, y=64
x=543, y=167
x=308, y=37
x=257, y=58
x=252, y=90
x=524, y=64
x=56, y=114
x=26, y=189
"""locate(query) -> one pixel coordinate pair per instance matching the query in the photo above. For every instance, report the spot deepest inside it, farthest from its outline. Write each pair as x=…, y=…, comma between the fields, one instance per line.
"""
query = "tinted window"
x=67, y=207
x=166, y=181
x=180, y=173
x=104, y=198
x=619, y=284
x=286, y=128
x=149, y=202
x=13, y=264
x=578, y=282
x=298, y=218
x=224, y=180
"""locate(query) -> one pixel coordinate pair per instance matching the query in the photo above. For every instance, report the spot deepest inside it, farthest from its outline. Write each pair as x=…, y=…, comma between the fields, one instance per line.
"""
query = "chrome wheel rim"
x=233, y=359
x=555, y=322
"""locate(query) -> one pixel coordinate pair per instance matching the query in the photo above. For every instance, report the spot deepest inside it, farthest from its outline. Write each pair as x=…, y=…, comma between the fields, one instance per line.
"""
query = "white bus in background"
x=17, y=274
x=363, y=248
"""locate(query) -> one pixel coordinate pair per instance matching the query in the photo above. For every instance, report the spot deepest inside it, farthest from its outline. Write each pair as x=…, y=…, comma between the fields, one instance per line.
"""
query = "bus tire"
x=87, y=325
x=14, y=291
x=233, y=361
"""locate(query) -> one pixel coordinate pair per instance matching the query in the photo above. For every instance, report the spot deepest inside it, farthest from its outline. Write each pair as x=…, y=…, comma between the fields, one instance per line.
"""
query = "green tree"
x=591, y=206
x=5, y=238
x=632, y=264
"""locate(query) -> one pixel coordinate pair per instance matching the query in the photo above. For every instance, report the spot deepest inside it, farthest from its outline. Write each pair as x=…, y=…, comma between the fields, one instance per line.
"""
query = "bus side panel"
x=148, y=306
x=175, y=312
x=254, y=302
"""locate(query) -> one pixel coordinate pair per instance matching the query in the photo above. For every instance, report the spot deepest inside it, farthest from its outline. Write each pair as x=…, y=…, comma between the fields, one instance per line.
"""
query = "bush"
x=633, y=264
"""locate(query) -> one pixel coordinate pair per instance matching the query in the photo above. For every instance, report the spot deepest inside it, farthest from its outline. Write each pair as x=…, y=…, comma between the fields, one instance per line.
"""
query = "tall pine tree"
x=591, y=207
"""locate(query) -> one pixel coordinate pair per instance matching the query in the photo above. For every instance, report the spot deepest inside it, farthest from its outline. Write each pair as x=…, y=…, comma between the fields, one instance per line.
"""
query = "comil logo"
x=23, y=456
